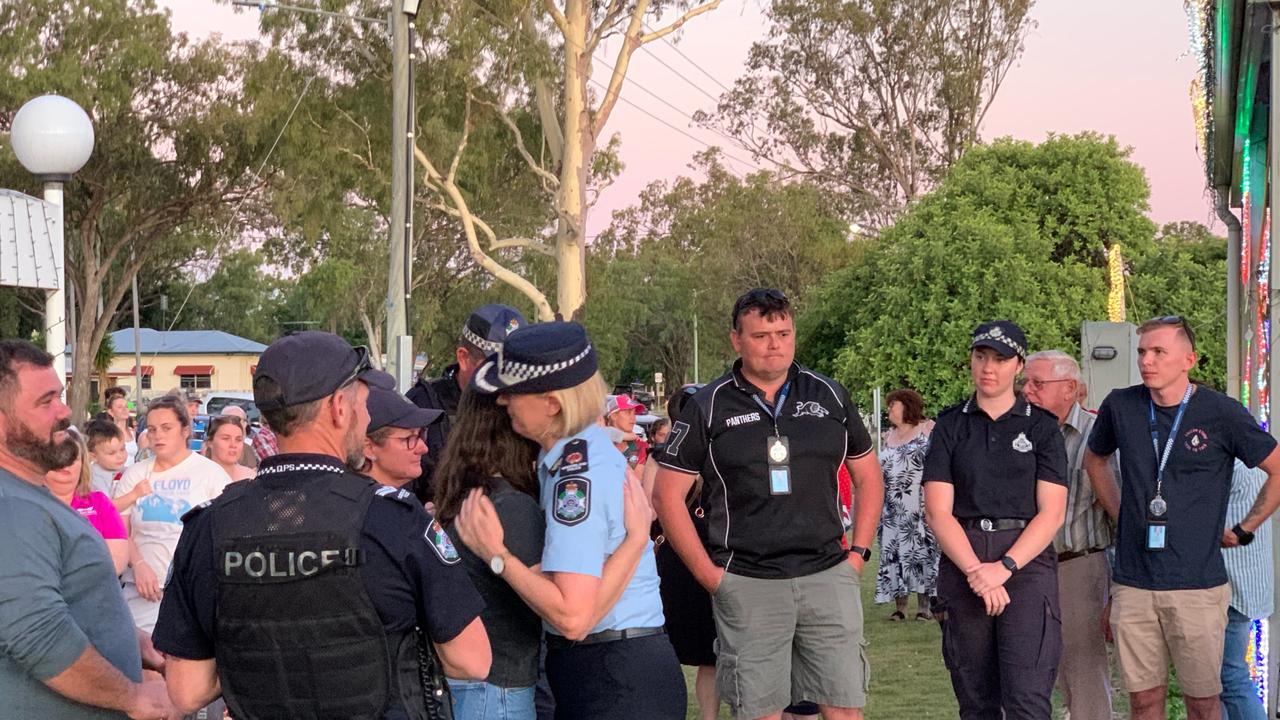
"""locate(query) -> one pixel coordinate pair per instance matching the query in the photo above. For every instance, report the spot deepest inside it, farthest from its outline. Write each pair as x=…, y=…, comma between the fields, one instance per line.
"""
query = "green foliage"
x=1014, y=231
x=693, y=247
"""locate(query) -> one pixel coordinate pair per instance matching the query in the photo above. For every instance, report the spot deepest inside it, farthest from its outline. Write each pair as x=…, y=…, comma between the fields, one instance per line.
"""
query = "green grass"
x=908, y=679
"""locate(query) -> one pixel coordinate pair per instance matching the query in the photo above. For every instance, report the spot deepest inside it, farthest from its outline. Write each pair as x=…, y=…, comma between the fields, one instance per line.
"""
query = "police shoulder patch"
x=574, y=458
x=571, y=500
x=398, y=494
x=439, y=540
x=186, y=517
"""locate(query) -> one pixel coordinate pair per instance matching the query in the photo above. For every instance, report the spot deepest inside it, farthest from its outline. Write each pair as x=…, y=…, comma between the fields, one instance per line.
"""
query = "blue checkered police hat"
x=539, y=358
x=1003, y=336
x=487, y=328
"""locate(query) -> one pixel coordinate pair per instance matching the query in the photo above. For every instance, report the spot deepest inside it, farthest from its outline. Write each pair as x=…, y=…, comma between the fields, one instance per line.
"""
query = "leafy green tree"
x=872, y=99
x=1015, y=231
x=175, y=125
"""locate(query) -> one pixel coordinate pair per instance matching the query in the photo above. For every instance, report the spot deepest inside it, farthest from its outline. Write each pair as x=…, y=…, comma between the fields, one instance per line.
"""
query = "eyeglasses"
x=411, y=441
x=1175, y=321
x=1038, y=385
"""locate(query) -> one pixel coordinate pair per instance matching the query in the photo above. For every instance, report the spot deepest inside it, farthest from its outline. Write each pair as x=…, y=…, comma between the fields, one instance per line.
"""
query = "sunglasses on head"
x=766, y=294
x=363, y=363
x=1176, y=321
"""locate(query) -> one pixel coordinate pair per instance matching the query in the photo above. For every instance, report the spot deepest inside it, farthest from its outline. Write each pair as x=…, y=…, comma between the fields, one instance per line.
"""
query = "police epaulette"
x=186, y=517
x=391, y=493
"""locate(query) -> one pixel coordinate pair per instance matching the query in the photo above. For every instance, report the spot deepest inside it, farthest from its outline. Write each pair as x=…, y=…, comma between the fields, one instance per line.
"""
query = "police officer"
x=608, y=657
x=995, y=495
x=300, y=593
x=482, y=335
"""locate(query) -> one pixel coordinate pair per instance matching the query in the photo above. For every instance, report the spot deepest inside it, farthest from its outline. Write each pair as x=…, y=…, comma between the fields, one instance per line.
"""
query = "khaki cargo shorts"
x=1155, y=627
x=784, y=641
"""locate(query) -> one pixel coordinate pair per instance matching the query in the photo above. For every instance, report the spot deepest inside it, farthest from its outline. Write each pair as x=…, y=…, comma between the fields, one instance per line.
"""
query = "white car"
x=215, y=402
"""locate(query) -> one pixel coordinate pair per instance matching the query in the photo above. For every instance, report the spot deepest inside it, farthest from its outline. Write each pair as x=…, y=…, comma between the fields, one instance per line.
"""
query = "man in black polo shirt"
x=483, y=335
x=768, y=439
x=1177, y=443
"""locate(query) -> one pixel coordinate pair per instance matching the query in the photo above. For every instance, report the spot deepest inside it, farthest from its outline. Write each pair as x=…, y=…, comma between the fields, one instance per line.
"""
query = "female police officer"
x=995, y=495
x=597, y=586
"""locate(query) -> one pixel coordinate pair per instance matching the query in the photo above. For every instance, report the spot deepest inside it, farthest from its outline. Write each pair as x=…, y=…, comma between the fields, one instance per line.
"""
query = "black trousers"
x=635, y=679
x=1002, y=667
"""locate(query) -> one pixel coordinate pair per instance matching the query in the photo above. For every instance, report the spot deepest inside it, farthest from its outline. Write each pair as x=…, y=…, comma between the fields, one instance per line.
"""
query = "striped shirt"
x=1249, y=568
x=1087, y=526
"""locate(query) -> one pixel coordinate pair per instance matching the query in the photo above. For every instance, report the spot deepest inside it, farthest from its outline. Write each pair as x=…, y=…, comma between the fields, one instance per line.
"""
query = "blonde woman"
x=597, y=585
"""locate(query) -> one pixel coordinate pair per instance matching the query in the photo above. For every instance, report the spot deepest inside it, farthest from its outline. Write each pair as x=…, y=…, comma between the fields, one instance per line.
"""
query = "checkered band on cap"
x=998, y=335
x=513, y=373
x=489, y=347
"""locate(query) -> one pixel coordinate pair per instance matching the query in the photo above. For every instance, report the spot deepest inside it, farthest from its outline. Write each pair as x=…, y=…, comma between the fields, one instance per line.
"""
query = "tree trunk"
x=571, y=287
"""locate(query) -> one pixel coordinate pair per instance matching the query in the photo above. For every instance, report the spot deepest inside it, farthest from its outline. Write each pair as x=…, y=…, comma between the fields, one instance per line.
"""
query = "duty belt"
x=994, y=524
x=558, y=642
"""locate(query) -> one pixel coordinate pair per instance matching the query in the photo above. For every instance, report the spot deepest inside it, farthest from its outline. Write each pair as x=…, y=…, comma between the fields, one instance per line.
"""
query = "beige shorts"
x=1155, y=627
x=784, y=641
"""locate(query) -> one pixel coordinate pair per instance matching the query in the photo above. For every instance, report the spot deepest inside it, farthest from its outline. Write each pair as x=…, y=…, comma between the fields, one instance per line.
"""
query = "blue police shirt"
x=406, y=576
x=582, y=479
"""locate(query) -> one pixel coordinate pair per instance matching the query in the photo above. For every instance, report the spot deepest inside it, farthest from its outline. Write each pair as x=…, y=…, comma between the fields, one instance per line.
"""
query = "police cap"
x=487, y=328
x=539, y=358
x=388, y=408
x=307, y=366
x=1003, y=336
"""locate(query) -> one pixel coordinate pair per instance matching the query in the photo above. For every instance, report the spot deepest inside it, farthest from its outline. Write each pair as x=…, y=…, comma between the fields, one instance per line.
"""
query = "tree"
x=175, y=131
x=529, y=65
x=872, y=99
x=691, y=248
x=238, y=298
x=1015, y=231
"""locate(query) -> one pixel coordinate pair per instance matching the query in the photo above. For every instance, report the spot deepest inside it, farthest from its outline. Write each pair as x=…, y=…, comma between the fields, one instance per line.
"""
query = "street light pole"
x=399, y=343
x=55, y=301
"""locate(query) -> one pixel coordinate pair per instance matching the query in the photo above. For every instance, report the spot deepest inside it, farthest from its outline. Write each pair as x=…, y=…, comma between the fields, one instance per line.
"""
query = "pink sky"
x=1119, y=68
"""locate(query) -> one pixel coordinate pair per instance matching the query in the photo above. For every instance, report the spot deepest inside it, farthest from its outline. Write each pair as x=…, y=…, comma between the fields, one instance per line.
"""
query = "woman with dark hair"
x=485, y=452
x=908, y=552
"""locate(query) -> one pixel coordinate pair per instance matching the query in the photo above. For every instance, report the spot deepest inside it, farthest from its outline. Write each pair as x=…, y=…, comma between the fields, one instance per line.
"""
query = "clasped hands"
x=987, y=582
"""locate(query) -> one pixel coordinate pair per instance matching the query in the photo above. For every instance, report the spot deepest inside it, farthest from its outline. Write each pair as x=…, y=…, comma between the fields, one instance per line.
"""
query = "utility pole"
x=399, y=342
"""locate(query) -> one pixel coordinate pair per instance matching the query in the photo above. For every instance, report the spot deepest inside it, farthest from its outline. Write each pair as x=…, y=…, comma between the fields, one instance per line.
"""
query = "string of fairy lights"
x=1207, y=27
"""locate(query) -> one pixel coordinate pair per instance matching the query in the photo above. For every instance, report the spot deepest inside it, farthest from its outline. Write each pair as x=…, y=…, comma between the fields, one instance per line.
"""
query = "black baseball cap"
x=487, y=328
x=307, y=366
x=1003, y=336
x=388, y=408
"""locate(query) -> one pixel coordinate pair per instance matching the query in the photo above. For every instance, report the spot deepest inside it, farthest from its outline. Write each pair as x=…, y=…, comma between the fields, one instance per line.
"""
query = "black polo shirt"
x=995, y=464
x=723, y=434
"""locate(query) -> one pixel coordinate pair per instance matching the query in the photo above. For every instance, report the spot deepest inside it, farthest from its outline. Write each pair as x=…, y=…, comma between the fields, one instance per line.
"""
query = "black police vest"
x=297, y=635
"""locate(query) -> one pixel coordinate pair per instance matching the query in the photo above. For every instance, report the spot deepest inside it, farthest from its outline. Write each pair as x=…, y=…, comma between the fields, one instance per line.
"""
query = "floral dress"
x=908, y=551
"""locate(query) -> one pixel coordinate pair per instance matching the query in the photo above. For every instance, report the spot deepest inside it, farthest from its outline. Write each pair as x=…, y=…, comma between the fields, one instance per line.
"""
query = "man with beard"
x=68, y=648
x=301, y=593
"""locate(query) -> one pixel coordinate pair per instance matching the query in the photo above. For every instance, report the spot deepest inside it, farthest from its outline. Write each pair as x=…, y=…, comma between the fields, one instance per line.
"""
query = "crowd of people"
x=505, y=542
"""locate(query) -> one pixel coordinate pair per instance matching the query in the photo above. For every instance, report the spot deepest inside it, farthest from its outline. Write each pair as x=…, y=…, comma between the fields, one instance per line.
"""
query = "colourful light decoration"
x=1246, y=243
x=1263, y=334
x=1256, y=657
x=1115, y=277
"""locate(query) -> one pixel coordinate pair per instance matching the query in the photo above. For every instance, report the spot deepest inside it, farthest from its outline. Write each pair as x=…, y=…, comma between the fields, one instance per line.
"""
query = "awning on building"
x=193, y=370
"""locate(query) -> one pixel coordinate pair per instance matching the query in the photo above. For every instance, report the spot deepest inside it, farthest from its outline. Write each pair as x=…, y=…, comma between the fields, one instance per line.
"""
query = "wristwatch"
x=865, y=553
x=497, y=564
x=1243, y=536
x=1009, y=564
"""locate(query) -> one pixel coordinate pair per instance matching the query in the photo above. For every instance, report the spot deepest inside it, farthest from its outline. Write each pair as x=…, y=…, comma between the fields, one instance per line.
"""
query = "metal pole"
x=875, y=405
x=1270, y=626
x=1235, y=291
x=55, y=302
x=137, y=350
x=397, y=321
x=695, y=340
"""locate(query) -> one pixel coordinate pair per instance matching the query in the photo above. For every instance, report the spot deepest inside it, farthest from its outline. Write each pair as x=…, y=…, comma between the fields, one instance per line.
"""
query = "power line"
x=643, y=110
x=689, y=60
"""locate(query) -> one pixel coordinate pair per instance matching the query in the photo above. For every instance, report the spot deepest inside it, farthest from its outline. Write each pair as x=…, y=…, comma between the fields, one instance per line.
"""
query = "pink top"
x=101, y=514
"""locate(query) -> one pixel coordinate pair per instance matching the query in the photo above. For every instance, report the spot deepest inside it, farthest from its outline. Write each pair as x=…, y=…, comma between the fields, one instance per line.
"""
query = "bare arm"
x=868, y=501
x=670, y=490
x=468, y=655
x=1103, y=480
x=192, y=683
x=94, y=681
x=1268, y=497
x=939, y=500
x=1051, y=511
x=119, y=549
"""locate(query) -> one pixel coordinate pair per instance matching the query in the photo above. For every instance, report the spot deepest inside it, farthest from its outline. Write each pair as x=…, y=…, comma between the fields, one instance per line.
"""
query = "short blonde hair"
x=580, y=406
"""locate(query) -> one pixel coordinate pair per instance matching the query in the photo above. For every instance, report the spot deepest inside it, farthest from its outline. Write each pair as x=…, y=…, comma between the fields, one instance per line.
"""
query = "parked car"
x=214, y=403
x=636, y=392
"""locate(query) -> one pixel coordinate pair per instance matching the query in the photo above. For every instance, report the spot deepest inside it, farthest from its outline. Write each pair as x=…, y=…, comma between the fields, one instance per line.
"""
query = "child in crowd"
x=107, y=454
x=73, y=485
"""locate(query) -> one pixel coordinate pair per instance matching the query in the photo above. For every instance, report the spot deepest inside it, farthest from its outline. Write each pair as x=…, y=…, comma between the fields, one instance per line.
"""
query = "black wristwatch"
x=865, y=553
x=1243, y=536
x=1009, y=564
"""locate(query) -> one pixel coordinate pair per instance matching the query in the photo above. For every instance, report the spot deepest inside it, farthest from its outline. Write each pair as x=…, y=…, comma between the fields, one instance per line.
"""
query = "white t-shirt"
x=155, y=520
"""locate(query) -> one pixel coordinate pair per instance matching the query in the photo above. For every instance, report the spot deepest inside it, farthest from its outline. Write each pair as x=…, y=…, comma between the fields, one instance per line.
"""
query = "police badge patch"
x=571, y=501
x=1021, y=443
x=439, y=541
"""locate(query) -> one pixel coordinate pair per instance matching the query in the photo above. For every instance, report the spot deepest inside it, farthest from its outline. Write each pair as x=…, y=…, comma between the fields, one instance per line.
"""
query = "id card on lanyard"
x=778, y=447
x=1157, y=524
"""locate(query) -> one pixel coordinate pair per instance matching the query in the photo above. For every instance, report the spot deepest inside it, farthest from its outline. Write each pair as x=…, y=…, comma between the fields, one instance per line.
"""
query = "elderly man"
x=1053, y=383
x=67, y=641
